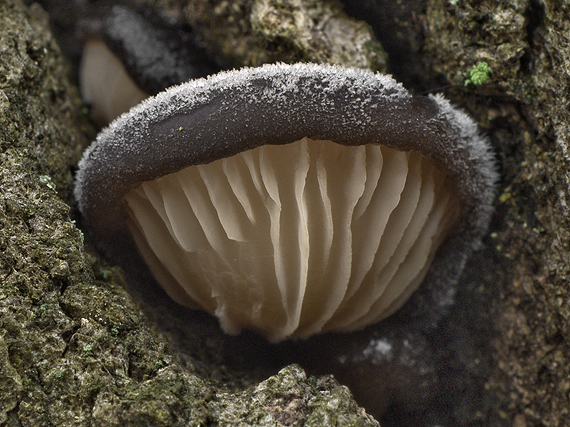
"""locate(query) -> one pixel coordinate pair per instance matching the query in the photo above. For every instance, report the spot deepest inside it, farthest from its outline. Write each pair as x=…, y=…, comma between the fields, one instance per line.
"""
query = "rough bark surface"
x=525, y=107
x=255, y=32
x=508, y=64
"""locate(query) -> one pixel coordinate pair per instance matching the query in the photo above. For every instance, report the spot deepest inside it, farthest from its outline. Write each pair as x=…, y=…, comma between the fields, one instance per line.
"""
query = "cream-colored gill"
x=295, y=239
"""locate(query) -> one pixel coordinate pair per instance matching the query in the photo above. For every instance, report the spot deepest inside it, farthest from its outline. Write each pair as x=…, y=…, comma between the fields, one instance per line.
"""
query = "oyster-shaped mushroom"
x=290, y=199
x=131, y=53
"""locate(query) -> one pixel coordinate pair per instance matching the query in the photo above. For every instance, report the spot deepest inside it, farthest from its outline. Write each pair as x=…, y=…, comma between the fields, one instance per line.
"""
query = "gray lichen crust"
x=74, y=347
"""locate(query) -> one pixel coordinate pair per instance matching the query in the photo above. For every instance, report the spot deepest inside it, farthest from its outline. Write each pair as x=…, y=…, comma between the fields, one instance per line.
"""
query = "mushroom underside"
x=105, y=84
x=296, y=239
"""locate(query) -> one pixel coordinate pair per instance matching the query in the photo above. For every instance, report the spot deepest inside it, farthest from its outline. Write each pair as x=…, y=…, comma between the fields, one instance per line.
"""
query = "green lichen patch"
x=479, y=74
x=467, y=33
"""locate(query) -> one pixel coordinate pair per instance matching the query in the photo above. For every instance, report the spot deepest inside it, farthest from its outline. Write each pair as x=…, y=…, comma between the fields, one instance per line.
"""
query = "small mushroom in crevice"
x=293, y=199
x=129, y=54
x=105, y=84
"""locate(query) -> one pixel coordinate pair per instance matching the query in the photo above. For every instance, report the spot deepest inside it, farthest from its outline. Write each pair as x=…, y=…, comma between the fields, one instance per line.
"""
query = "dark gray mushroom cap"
x=208, y=119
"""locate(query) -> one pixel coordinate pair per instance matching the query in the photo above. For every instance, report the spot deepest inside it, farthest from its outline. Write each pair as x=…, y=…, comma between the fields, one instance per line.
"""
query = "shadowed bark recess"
x=525, y=107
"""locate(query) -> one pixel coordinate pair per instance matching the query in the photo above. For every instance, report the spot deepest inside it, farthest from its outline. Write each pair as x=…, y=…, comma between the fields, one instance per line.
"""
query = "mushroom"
x=291, y=199
x=129, y=54
x=105, y=84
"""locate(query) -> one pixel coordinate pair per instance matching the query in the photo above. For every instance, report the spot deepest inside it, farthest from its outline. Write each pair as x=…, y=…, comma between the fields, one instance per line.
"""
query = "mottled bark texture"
x=525, y=107
x=75, y=349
